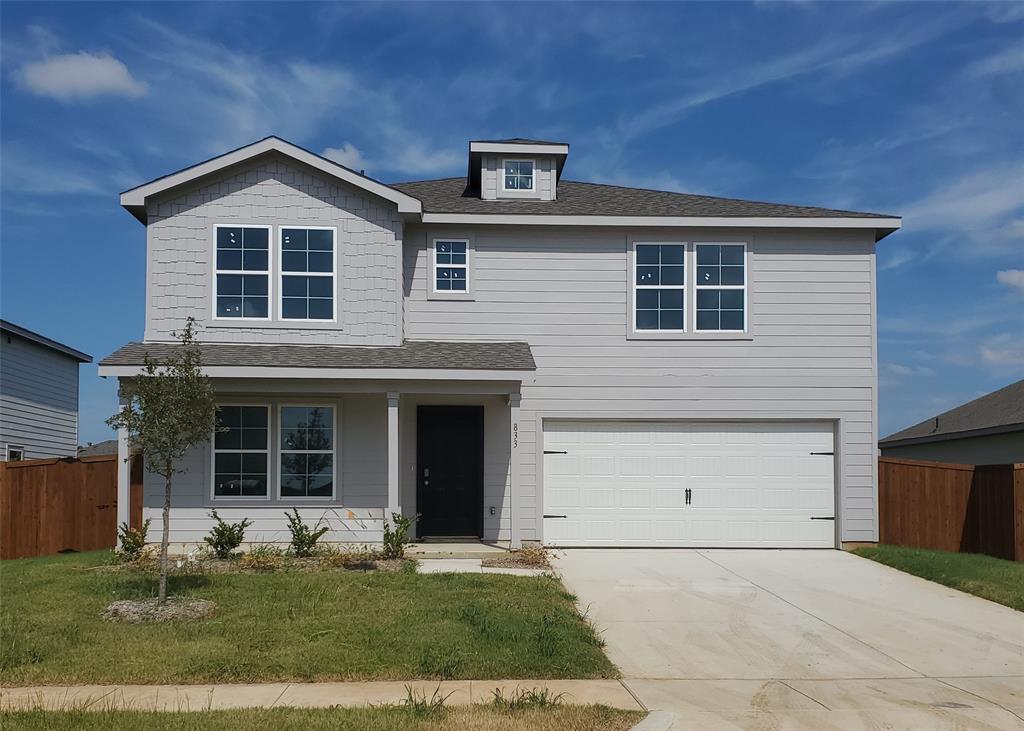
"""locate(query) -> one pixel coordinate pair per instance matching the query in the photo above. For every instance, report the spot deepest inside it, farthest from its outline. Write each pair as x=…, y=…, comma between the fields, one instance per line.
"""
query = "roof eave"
x=890, y=441
x=358, y=374
x=134, y=199
x=46, y=342
x=882, y=226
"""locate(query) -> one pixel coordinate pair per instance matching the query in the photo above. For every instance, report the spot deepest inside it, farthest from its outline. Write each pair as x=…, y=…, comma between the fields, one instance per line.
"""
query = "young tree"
x=169, y=409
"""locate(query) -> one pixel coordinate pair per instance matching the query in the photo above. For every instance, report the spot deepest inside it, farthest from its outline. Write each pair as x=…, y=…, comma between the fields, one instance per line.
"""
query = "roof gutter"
x=884, y=226
x=350, y=374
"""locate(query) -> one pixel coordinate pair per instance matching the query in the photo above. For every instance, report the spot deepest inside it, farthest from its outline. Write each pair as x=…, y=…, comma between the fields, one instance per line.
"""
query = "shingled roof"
x=999, y=411
x=451, y=195
x=413, y=355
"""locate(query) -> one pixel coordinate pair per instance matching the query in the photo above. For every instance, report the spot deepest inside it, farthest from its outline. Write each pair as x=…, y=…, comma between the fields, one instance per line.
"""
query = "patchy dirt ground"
x=142, y=611
x=528, y=557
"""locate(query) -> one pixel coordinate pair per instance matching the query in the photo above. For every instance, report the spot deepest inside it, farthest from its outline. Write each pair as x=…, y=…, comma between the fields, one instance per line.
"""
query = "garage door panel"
x=752, y=484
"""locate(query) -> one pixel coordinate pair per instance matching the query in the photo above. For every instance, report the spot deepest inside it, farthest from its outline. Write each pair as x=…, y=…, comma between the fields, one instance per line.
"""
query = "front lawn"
x=298, y=626
x=393, y=718
x=991, y=578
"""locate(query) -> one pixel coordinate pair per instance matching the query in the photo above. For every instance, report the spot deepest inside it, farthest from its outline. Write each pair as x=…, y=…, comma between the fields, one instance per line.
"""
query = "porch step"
x=460, y=549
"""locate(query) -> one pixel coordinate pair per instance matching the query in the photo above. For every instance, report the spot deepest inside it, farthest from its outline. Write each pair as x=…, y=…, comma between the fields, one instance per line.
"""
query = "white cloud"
x=1003, y=350
x=898, y=369
x=1012, y=278
x=77, y=76
x=1007, y=61
x=347, y=155
x=896, y=259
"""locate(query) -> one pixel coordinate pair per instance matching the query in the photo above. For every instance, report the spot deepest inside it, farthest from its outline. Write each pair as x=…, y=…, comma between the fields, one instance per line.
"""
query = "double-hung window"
x=241, y=452
x=308, y=268
x=307, y=451
x=451, y=266
x=242, y=272
x=721, y=287
x=660, y=287
x=517, y=175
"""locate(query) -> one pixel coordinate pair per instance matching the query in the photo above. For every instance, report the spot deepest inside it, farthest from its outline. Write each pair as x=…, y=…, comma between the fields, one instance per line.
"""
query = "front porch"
x=440, y=449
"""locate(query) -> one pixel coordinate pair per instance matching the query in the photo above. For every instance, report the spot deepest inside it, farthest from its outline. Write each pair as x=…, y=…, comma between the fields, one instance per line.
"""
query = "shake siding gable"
x=810, y=354
x=271, y=191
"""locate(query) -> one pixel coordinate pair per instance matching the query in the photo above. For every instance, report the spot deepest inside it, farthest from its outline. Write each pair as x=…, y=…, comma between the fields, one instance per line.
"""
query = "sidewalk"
x=301, y=695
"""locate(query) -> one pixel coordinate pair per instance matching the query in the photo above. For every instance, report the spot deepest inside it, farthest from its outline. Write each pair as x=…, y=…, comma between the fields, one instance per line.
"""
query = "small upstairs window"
x=242, y=272
x=659, y=294
x=451, y=266
x=518, y=175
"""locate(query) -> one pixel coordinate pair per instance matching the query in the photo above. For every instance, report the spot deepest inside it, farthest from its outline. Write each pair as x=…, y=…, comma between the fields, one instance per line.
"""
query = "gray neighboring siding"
x=564, y=292
x=544, y=174
x=38, y=399
x=354, y=516
x=271, y=191
x=989, y=449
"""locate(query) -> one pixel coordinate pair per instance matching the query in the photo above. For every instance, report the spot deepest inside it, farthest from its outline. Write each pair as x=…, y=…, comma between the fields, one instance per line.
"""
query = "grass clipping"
x=144, y=611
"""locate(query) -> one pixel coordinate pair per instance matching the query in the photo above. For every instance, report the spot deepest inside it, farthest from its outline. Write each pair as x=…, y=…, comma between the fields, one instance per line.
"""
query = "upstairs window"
x=451, y=266
x=307, y=451
x=721, y=287
x=307, y=274
x=518, y=175
x=659, y=293
x=241, y=452
x=242, y=272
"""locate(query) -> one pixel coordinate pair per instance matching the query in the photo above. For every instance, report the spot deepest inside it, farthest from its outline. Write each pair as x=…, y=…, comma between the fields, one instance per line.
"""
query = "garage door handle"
x=823, y=517
x=830, y=454
x=551, y=451
x=556, y=516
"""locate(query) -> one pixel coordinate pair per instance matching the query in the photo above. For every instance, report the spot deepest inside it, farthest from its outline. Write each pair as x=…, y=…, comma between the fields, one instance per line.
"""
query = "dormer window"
x=518, y=175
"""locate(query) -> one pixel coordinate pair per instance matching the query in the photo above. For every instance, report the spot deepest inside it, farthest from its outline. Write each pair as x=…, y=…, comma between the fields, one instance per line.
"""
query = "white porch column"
x=513, y=469
x=124, y=476
x=394, y=499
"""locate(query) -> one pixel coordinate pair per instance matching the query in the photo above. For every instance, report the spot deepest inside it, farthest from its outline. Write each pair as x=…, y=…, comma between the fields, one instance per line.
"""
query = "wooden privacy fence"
x=53, y=505
x=952, y=507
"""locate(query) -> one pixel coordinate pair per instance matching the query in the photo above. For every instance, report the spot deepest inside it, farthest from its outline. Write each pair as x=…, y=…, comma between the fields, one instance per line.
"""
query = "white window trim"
x=683, y=286
x=336, y=452
x=434, y=266
x=281, y=273
x=213, y=458
x=216, y=271
x=14, y=447
x=697, y=287
x=533, y=178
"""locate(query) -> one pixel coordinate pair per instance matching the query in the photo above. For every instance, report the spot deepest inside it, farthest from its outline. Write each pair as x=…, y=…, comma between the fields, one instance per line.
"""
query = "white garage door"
x=689, y=484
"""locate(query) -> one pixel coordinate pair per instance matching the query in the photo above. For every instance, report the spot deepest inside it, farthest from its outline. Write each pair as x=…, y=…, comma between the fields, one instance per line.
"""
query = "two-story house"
x=514, y=356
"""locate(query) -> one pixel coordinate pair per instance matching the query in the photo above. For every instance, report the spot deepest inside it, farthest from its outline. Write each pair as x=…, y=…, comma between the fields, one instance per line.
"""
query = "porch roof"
x=411, y=359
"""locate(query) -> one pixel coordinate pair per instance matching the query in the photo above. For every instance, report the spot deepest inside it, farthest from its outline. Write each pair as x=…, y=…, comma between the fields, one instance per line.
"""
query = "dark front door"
x=450, y=470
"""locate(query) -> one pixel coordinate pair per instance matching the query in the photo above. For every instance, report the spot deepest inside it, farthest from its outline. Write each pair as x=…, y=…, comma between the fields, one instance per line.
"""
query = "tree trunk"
x=164, y=541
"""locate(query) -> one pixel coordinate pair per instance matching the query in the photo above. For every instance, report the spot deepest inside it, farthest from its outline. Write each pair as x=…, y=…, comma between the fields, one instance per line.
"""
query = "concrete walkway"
x=736, y=639
x=471, y=566
x=301, y=695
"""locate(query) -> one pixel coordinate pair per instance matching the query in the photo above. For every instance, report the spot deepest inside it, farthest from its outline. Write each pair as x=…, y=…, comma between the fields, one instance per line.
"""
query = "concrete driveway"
x=763, y=639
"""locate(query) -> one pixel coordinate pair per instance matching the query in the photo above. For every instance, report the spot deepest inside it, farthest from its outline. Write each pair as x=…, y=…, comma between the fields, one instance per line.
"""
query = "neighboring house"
x=988, y=430
x=98, y=449
x=38, y=395
x=514, y=356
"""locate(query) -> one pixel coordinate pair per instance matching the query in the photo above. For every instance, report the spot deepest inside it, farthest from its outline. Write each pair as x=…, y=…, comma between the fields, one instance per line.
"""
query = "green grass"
x=290, y=626
x=390, y=718
x=991, y=578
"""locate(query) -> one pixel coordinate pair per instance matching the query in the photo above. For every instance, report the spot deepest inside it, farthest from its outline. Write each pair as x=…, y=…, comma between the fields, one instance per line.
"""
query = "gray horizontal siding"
x=38, y=399
x=273, y=192
x=811, y=355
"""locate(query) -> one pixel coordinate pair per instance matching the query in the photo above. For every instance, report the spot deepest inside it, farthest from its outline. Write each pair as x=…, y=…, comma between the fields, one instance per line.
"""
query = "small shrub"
x=396, y=535
x=263, y=557
x=132, y=541
x=304, y=538
x=417, y=703
x=440, y=662
x=521, y=699
x=224, y=537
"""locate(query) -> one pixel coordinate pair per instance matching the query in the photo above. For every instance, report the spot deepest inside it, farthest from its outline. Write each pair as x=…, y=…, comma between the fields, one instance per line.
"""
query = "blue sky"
x=913, y=108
